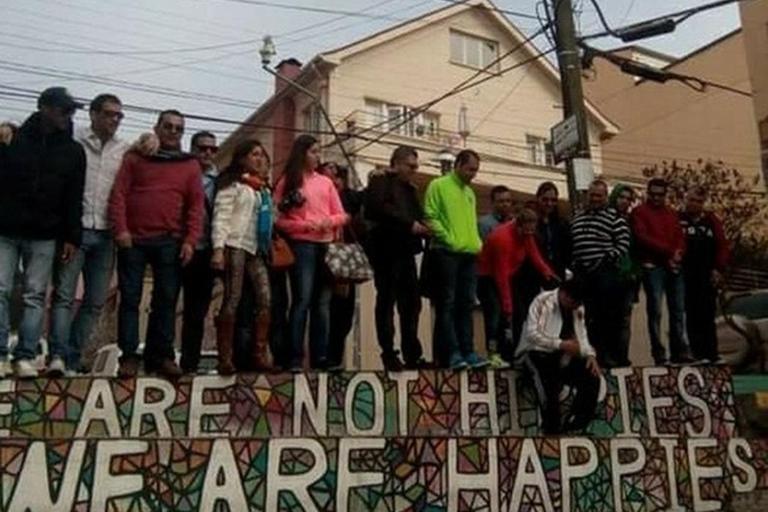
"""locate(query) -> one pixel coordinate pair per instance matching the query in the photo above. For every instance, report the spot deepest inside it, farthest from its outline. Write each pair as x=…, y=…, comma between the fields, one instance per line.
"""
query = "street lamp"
x=446, y=159
x=268, y=51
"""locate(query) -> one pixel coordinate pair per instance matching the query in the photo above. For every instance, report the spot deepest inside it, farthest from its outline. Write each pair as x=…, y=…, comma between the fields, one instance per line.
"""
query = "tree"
x=733, y=197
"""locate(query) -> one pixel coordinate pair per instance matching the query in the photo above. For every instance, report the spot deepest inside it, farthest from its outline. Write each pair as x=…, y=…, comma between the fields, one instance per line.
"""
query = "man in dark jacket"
x=705, y=259
x=392, y=206
x=42, y=170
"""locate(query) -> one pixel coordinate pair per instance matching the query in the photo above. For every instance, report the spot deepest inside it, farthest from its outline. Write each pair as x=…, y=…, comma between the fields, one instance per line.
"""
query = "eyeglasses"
x=113, y=114
x=174, y=128
x=207, y=149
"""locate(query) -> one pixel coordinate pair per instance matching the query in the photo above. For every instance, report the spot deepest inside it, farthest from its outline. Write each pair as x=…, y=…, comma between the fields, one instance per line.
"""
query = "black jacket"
x=41, y=185
x=391, y=206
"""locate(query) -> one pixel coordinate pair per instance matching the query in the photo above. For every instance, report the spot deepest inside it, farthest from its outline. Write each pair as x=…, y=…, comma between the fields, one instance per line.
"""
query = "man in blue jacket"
x=42, y=170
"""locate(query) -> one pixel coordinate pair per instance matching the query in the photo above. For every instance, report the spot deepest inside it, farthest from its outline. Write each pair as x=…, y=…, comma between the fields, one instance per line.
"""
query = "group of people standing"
x=73, y=199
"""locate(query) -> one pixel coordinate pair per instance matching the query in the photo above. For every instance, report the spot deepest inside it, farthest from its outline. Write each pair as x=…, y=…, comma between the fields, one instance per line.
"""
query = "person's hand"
x=186, y=253
x=593, y=367
x=677, y=257
x=717, y=278
x=419, y=229
x=124, y=241
x=217, y=260
x=6, y=134
x=68, y=252
x=571, y=347
x=147, y=145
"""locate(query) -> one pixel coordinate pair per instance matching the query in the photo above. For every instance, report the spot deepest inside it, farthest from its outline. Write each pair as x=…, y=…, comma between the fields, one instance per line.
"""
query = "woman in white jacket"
x=555, y=348
x=241, y=236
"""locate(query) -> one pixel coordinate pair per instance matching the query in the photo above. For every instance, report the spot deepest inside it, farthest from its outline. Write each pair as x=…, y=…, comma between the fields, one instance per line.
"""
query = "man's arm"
x=195, y=206
x=117, y=206
x=433, y=206
x=73, y=216
x=532, y=251
x=723, y=247
x=622, y=237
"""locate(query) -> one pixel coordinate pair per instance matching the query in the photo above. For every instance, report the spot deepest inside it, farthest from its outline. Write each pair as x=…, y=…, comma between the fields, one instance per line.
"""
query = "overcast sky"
x=201, y=56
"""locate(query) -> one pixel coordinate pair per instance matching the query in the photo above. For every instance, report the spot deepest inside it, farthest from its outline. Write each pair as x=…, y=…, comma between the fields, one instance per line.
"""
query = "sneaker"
x=129, y=369
x=720, y=361
x=56, y=368
x=6, y=370
x=296, y=369
x=335, y=367
x=170, y=370
x=392, y=362
x=683, y=359
x=456, y=362
x=496, y=362
x=475, y=361
x=25, y=369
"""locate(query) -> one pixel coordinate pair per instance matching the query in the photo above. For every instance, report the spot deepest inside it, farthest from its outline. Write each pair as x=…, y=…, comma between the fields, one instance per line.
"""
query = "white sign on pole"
x=565, y=138
x=583, y=172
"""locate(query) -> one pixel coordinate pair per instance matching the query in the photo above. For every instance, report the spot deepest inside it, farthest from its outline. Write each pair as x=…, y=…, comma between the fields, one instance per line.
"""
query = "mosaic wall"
x=382, y=475
x=649, y=402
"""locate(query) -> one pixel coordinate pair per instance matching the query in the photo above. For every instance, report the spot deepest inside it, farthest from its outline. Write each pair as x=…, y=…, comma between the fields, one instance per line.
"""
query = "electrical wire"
x=496, y=9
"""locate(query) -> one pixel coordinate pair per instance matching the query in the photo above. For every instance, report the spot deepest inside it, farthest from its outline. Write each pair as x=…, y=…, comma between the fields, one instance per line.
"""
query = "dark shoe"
x=683, y=358
x=129, y=369
x=392, y=362
x=170, y=370
x=419, y=364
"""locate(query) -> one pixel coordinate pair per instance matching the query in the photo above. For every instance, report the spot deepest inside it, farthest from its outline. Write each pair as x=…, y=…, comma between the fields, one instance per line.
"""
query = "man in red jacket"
x=156, y=210
x=706, y=257
x=661, y=247
x=504, y=252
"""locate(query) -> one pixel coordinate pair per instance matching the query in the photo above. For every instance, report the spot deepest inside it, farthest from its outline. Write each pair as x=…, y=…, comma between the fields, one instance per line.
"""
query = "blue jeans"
x=95, y=259
x=162, y=254
x=657, y=282
x=37, y=258
x=456, y=283
x=311, y=293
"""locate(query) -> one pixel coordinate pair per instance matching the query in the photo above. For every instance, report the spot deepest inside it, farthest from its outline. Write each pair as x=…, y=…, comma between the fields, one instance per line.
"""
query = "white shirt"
x=102, y=163
x=235, y=217
x=541, y=331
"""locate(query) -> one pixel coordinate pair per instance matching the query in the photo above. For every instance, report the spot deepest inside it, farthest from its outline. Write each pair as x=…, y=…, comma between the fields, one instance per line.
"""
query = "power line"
x=316, y=10
x=162, y=91
x=495, y=9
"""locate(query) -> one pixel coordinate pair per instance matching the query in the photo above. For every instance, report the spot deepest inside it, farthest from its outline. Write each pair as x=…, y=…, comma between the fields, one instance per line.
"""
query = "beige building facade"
x=371, y=86
x=671, y=121
x=754, y=20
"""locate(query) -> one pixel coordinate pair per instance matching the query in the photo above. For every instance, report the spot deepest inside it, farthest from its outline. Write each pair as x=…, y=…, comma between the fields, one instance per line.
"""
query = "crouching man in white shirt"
x=554, y=346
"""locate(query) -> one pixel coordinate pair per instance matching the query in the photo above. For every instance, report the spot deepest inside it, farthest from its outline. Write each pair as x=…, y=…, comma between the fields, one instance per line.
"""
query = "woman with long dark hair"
x=242, y=234
x=553, y=242
x=310, y=215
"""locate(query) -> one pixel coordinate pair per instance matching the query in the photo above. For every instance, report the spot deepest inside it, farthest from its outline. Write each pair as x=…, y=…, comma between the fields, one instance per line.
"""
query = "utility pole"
x=579, y=167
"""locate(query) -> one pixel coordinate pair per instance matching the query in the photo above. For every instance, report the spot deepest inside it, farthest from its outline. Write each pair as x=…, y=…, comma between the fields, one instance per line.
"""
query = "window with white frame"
x=539, y=150
x=313, y=119
x=473, y=51
x=402, y=120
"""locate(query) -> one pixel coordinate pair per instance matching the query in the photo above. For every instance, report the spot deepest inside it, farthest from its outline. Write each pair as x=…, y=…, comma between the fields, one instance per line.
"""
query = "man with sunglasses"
x=198, y=277
x=94, y=258
x=42, y=169
x=156, y=209
x=661, y=248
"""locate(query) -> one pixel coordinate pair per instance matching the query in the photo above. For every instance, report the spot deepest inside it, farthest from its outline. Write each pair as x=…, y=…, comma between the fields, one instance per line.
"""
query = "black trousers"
x=700, y=312
x=526, y=286
x=397, y=285
x=603, y=306
x=245, y=325
x=549, y=379
x=197, y=281
x=278, y=327
x=342, y=316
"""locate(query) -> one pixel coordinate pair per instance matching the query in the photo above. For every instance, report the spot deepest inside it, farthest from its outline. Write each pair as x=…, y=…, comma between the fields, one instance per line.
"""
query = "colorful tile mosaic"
x=381, y=475
x=647, y=402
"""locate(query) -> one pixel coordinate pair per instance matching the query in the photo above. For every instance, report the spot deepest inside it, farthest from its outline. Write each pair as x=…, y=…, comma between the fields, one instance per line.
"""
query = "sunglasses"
x=174, y=128
x=207, y=149
x=113, y=114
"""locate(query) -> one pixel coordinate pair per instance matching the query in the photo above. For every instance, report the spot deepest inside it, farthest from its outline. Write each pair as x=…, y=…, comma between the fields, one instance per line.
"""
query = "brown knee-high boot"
x=262, y=358
x=225, y=330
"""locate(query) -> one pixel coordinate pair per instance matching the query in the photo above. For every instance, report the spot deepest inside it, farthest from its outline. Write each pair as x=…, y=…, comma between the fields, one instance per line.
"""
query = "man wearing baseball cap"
x=42, y=170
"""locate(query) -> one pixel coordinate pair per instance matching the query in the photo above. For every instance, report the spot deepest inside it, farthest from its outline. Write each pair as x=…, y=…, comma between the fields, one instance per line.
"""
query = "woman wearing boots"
x=310, y=216
x=242, y=234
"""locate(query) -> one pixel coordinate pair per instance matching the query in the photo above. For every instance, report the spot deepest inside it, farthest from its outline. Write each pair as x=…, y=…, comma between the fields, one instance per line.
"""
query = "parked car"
x=742, y=330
